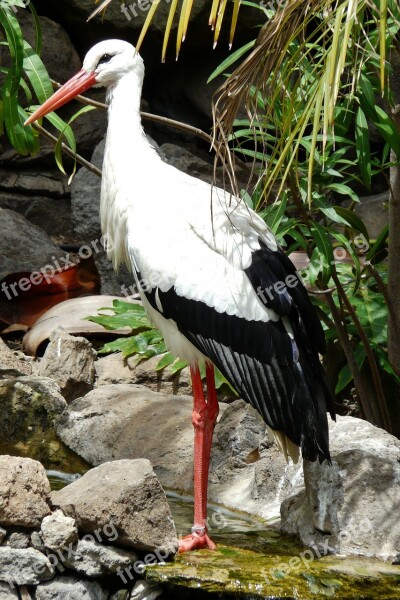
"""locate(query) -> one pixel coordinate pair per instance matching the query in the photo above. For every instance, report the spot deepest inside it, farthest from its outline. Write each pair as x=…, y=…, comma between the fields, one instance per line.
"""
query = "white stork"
x=211, y=277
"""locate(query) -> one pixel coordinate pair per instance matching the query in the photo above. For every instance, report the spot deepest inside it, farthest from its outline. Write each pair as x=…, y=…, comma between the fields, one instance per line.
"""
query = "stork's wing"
x=273, y=363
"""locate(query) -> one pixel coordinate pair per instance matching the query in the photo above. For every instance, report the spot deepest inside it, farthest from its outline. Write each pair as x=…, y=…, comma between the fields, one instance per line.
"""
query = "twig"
x=149, y=117
x=85, y=163
x=348, y=350
x=370, y=356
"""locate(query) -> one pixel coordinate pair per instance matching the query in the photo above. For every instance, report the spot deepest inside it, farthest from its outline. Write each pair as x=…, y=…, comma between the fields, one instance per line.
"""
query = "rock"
x=3, y=534
x=203, y=168
x=115, y=369
x=58, y=53
x=119, y=18
x=58, y=220
x=85, y=202
x=374, y=211
x=7, y=592
x=24, y=567
x=70, y=588
x=353, y=505
x=13, y=363
x=119, y=421
x=58, y=530
x=23, y=247
x=24, y=492
x=126, y=495
x=144, y=590
x=85, y=198
x=244, y=459
x=37, y=542
x=69, y=361
x=51, y=183
x=29, y=406
x=17, y=539
x=95, y=560
x=128, y=421
x=186, y=161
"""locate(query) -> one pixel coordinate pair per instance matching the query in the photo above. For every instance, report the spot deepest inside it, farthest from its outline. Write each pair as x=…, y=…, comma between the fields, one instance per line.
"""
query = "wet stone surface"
x=242, y=573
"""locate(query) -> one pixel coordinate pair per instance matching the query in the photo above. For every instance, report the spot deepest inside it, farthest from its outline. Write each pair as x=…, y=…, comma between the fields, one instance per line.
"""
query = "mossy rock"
x=231, y=572
x=29, y=409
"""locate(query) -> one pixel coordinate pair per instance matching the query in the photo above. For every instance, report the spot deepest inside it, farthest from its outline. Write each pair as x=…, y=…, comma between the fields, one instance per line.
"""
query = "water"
x=254, y=561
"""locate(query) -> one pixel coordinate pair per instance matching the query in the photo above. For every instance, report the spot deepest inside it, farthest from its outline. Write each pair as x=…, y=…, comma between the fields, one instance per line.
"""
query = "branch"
x=85, y=163
x=150, y=117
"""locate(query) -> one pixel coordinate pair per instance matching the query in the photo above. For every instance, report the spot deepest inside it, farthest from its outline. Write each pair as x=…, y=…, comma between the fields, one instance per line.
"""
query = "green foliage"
x=26, y=76
x=145, y=342
x=309, y=129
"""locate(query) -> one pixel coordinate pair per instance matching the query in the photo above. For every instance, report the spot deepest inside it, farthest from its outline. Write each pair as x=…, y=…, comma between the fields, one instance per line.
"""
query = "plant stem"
x=385, y=418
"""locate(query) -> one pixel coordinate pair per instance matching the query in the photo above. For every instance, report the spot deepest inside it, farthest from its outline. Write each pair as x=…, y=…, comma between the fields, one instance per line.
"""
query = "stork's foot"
x=196, y=541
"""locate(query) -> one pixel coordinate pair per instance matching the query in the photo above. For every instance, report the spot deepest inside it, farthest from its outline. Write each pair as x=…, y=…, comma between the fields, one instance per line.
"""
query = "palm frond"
x=287, y=69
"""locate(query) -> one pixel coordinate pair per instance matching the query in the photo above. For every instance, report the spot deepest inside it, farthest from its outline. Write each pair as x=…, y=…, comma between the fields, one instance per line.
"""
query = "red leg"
x=204, y=417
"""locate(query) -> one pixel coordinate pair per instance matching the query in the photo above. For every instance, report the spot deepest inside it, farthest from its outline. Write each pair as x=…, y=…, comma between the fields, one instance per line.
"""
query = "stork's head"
x=104, y=65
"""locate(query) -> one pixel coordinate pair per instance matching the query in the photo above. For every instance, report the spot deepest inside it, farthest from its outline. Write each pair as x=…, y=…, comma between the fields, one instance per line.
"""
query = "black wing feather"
x=282, y=378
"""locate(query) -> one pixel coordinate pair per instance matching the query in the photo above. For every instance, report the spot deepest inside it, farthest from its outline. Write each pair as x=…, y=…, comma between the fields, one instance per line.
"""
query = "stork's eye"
x=105, y=59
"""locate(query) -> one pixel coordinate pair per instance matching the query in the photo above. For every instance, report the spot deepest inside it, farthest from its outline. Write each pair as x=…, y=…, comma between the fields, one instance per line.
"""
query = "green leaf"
x=121, y=320
x=387, y=128
x=37, y=74
x=232, y=58
x=220, y=380
x=165, y=361
x=363, y=147
x=324, y=256
x=352, y=220
x=345, y=190
x=380, y=245
x=345, y=375
x=178, y=366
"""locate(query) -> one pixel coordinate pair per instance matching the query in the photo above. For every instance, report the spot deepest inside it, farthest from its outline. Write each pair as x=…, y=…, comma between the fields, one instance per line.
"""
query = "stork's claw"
x=195, y=542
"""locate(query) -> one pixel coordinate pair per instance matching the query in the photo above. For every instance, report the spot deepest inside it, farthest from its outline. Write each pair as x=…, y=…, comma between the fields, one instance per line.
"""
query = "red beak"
x=78, y=84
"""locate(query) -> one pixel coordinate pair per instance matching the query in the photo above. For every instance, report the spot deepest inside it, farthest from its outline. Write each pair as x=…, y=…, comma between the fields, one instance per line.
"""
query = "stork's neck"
x=128, y=161
x=125, y=131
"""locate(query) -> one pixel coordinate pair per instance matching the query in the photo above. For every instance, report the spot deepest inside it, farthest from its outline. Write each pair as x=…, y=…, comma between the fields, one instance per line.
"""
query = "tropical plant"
x=145, y=341
x=315, y=85
x=25, y=77
x=217, y=14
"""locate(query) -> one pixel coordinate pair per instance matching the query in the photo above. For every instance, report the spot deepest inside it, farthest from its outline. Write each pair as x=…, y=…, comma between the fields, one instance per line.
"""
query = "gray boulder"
x=85, y=204
x=95, y=560
x=23, y=247
x=13, y=363
x=17, y=539
x=24, y=492
x=58, y=531
x=247, y=470
x=7, y=592
x=113, y=368
x=145, y=590
x=122, y=496
x=70, y=588
x=119, y=16
x=130, y=421
x=29, y=406
x=24, y=567
x=353, y=506
x=69, y=361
